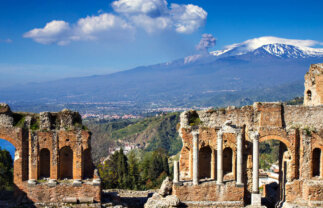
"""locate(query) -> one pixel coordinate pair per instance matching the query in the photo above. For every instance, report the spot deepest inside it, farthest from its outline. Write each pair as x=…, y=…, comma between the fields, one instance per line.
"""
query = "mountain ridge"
x=182, y=81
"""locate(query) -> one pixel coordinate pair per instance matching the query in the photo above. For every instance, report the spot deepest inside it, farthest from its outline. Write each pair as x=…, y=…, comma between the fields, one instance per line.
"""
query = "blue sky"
x=88, y=37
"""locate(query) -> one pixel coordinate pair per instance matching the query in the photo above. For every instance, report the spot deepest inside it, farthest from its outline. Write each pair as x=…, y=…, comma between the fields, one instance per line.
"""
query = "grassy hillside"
x=151, y=133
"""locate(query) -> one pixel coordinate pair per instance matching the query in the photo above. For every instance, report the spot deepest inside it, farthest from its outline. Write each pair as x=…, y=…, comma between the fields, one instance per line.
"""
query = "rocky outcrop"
x=163, y=199
x=6, y=119
x=45, y=120
x=157, y=201
x=166, y=187
x=69, y=118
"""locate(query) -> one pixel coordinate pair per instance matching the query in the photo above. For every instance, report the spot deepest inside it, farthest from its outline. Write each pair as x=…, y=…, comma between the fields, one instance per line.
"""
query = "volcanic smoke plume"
x=207, y=41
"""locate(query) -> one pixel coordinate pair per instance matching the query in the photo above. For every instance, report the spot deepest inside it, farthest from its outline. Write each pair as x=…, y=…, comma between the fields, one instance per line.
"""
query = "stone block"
x=70, y=200
x=86, y=199
x=256, y=199
x=77, y=183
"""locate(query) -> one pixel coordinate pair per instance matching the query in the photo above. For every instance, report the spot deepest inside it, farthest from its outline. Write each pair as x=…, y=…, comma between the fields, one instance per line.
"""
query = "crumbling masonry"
x=219, y=161
x=52, y=161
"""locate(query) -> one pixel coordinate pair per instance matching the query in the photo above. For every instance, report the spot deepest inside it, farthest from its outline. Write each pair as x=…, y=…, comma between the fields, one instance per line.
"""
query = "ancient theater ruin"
x=52, y=161
x=219, y=161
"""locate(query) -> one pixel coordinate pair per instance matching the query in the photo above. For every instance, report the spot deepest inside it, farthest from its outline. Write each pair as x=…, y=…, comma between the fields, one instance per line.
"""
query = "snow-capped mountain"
x=260, y=69
x=280, y=47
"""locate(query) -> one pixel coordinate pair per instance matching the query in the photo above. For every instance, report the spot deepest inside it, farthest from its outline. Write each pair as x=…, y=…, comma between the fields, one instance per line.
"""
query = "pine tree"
x=6, y=168
x=134, y=182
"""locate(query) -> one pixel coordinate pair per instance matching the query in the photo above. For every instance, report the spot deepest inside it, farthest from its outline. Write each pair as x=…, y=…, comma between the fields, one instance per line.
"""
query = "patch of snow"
x=274, y=46
x=190, y=59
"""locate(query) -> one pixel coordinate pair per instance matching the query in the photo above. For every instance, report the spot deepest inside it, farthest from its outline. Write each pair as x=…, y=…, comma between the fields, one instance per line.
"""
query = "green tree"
x=114, y=172
x=134, y=179
x=6, y=168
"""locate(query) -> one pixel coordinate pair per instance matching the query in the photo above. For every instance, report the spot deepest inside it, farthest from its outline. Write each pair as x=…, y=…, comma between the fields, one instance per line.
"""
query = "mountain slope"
x=150, y=133
x=252, y=66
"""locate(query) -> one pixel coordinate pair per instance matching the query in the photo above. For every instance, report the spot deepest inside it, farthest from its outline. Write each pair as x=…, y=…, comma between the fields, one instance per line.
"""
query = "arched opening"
x=66, y=163
x=44, y=163
x=227, y=160
x=309, y=94
x=7, y=153
x=87, y=164
x=274, y=169
x=316, y=162
x=205, y=162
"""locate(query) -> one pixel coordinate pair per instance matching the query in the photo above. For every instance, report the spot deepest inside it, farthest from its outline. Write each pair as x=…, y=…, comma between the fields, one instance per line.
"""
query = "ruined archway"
x=316, y=162
x=205, y=162
x=14, y=137
x=275, y=164
x=44, y=163
x=7, y=152
x=227, y=160
x=66, y=163
x=87, y=164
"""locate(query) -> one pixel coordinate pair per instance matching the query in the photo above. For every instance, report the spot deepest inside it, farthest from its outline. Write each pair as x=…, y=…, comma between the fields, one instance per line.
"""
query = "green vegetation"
x=6, y=170
x=19, y=119
x=194, y=119
x=34, y=124
x=269, y=152
x=153, y=133
x=296, y=101
x=138, y=170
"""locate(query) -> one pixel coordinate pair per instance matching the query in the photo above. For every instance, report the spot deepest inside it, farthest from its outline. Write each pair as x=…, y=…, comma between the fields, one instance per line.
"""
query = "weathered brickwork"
x=313, y=94
x=298, y=128
x=53, y=156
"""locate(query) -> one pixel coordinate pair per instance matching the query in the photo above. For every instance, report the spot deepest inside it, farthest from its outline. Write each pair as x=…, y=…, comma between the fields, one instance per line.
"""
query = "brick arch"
x=290, y=149
x=20, y=169
x=279, y=138
x=10, y=139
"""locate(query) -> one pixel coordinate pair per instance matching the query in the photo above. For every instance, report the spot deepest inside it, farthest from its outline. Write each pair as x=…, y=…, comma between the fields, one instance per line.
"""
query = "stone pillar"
x=256, y=197
x=54, y=158
x=176, y=172
x=213, y=164
x=220, y=158
x=195, y=158
x=77, y=158
x=239, y=159
x=33, y=159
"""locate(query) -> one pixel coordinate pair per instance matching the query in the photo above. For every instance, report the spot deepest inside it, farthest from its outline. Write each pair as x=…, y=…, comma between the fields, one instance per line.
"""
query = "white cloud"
x=151, y=25
x=91, y=26
x=149, y=7
x=53, y=32
x=188, y=18
x=150, y=15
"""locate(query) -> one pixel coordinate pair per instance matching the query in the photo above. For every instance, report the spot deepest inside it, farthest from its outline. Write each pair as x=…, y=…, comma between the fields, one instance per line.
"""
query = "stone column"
x=77, y=160
x=176, y=172
x=33, y=159
x=195, y=158
x=220, y=158
x=239, y=159
x=256, y=197
x=213, y=164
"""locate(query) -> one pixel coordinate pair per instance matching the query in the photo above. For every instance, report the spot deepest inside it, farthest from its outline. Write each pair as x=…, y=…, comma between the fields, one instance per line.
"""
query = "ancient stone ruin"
x=52, y=161
x=219, y=161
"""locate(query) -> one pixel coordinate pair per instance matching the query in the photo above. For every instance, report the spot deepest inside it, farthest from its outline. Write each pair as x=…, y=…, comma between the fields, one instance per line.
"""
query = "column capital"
x=220, y=134
x=254, y=135
x=195, y=133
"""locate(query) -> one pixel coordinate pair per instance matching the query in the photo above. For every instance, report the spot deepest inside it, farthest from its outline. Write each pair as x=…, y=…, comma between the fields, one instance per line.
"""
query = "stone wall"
x=299, y=128
x=33, y=134
x=313, y=93
x=64, y=192
x=209, y=191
